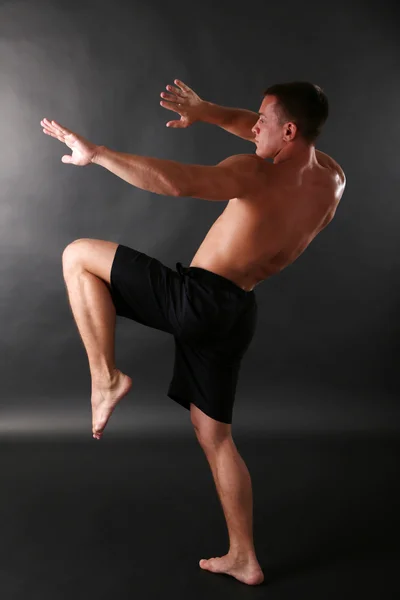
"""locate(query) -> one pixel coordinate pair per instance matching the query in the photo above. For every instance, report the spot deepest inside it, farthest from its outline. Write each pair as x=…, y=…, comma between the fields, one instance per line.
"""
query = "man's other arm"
x=238, y=121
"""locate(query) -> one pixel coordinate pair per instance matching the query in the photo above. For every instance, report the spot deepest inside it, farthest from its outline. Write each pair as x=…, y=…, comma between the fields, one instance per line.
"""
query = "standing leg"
x=233, y=483
x=94, y=314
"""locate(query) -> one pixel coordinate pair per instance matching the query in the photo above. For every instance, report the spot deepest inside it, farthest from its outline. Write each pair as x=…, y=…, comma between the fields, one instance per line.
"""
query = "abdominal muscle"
x=255, y=238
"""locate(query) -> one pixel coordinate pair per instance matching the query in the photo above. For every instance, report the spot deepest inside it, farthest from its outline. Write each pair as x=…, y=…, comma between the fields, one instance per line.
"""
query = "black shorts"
x=212, y=320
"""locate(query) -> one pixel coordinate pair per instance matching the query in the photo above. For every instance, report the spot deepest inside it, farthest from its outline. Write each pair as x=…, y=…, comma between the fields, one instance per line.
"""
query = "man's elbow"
x=179, y=191
x=183, y=186
x=179, y=184
x=166, y=186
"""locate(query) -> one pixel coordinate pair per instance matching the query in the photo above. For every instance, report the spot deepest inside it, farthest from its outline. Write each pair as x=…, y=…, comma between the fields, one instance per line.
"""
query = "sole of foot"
x=105, y=399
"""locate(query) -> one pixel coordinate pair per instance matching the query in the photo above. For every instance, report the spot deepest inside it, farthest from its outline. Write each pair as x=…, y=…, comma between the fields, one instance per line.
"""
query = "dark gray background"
x=326, y=352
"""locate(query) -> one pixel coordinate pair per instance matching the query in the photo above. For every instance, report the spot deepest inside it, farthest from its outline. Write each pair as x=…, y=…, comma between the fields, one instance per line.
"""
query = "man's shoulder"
x=241, y=159
x=327, y=161
x=249, y=164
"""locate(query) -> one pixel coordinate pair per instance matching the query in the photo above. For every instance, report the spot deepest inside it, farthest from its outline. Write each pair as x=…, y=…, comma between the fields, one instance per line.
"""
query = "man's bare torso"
x=258, y=236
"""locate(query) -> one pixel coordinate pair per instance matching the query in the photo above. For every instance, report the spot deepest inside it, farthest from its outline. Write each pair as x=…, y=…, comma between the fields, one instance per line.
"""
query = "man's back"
x=259, y=235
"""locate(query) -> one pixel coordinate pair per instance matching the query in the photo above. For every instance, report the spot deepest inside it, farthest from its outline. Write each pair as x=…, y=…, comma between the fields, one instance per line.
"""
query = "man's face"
x=268, y=133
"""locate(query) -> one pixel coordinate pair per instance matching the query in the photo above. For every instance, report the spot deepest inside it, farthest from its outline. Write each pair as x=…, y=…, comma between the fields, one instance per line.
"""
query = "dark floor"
x=117, y=518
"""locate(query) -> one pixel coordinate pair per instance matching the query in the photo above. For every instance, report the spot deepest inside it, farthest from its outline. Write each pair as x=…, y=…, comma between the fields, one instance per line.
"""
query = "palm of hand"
x=83, y=151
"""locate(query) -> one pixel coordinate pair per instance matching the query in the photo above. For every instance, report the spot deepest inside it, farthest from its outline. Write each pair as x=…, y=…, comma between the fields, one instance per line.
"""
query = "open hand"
x=83, y=151
x=183, y=100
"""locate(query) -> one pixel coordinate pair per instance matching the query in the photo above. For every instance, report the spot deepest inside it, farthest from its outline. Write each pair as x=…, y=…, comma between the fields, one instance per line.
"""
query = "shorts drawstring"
x=184, y=270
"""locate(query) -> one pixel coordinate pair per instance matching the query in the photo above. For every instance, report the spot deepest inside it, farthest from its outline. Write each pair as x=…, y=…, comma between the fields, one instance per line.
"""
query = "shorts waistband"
x=213, y=278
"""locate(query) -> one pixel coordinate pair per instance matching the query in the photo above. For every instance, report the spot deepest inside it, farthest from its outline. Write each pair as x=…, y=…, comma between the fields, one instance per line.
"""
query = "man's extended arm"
x=155, y=175
x=232, y=177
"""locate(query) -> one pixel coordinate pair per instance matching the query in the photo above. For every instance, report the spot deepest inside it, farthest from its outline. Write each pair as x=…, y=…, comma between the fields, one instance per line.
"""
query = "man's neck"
x=302, y=154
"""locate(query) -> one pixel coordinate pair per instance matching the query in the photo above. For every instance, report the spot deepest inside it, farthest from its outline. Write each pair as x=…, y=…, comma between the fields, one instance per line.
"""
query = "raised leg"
x=95, y=316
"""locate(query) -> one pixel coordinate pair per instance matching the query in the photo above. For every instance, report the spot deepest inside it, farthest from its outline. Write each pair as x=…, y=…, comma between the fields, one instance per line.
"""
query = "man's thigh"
x=145, y=290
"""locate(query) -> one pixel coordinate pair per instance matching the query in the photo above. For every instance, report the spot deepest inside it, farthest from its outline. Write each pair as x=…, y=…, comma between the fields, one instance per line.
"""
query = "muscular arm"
x=238, y=121
x=232, y=177
x=155, y=175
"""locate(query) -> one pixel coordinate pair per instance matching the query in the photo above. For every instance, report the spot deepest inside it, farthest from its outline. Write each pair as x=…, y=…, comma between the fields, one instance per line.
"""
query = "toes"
x=211, y=564
x=205, y=563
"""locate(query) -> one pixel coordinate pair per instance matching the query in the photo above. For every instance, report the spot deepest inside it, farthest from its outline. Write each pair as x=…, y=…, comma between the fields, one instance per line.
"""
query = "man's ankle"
x=242, y=553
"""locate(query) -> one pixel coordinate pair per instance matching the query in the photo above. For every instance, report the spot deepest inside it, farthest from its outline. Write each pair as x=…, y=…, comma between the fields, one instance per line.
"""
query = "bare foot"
x=245, y=570
x=105, y=397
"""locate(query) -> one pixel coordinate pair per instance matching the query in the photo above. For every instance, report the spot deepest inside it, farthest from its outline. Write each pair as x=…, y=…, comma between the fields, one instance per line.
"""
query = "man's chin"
x=260, y=154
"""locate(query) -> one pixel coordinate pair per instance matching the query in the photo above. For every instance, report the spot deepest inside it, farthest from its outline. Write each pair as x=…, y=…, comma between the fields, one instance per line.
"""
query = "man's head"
x=291, y=115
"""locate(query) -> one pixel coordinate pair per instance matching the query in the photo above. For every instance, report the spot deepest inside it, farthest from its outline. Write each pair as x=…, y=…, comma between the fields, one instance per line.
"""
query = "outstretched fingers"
x=55, y=129
x=175, y=91
x=170, y=105
x=60, y=128
x=182, y=86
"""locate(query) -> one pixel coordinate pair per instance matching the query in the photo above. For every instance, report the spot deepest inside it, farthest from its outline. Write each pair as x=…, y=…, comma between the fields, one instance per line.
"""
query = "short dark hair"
x=302, y=102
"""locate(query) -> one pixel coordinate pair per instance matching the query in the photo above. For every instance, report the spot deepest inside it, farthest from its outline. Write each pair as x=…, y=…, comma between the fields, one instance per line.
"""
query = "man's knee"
x=95, y=256
x=72, y=252
x=209, y=432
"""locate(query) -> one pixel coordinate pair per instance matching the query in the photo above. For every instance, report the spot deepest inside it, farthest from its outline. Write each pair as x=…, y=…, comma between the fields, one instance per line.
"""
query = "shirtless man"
x=274, y=211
